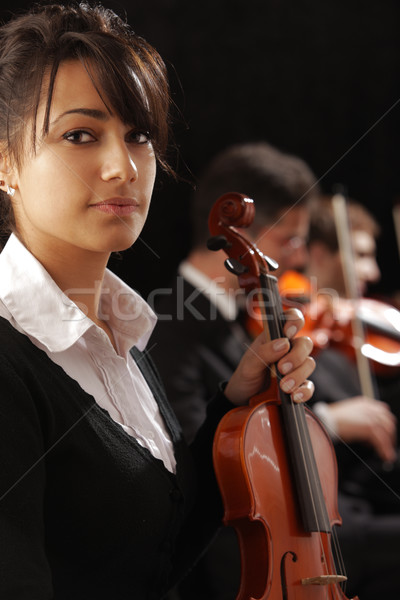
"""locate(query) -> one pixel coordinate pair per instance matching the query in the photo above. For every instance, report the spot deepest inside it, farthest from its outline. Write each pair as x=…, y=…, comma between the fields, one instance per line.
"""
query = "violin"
x=274, y=461
x=328, y=322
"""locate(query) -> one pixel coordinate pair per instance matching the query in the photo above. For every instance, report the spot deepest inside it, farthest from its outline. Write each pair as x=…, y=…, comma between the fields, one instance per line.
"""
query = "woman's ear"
x=6, y=174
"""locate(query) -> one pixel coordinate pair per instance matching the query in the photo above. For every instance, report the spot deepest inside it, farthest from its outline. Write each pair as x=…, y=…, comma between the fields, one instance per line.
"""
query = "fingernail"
x=280, y=345
x=286, y=367
x=291, y=331
x=288, y=385
x=298, y=396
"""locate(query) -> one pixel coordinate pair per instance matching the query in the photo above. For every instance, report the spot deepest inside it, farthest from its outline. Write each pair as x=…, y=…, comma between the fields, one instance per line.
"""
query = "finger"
x=383, y=445
x=300, y=350
x=383, y=431
x=296, y=378
x=294, y=322
x=388, y=421
x=249, y=376
x=269, y=352
x=388, y=425
x=304, y=392
x=381, y=416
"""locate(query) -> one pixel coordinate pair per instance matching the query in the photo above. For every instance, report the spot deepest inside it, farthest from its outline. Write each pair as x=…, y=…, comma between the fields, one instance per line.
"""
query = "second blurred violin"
x=328, y=321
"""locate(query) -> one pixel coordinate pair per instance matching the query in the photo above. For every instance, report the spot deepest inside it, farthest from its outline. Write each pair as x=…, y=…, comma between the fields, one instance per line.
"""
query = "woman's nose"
x=118, y=163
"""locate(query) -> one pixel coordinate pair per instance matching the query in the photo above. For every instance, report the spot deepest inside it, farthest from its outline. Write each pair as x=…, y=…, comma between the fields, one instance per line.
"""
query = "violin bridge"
x=323, y=580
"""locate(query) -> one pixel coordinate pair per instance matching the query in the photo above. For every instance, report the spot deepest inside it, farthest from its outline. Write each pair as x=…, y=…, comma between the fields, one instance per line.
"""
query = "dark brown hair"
x=274, y=180
x=130, y=73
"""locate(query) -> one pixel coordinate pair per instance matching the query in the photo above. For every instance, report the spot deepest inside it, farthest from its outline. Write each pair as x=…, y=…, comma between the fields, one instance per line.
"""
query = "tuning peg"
x=218, y=242
x=236, y=267
x=272, y=264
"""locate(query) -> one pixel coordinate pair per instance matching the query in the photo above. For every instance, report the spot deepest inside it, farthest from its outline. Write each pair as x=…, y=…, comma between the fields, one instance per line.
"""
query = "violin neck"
x=306, y=477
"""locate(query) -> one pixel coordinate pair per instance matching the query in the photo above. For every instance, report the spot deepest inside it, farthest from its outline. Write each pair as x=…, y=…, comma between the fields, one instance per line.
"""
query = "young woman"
x=99, y=495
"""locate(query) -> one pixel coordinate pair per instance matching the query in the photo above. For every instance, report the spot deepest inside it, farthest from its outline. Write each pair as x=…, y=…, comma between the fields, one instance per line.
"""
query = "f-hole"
x=283, y=572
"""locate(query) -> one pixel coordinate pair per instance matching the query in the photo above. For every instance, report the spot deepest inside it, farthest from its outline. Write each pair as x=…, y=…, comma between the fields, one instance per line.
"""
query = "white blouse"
x=35, y=306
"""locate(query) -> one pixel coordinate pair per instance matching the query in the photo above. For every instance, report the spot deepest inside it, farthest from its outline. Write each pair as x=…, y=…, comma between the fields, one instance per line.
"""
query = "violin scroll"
x=232, y=211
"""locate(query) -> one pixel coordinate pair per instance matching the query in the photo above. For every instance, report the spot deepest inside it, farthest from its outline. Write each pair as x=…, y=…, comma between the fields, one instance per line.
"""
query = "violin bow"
x=396, y=222
x=343, y=231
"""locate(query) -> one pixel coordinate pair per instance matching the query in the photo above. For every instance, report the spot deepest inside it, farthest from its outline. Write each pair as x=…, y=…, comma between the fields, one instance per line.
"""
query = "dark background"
x=320, y=79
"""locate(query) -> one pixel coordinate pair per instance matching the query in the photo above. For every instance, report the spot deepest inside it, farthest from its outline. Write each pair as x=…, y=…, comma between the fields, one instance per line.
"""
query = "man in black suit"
x=201, y=311
x=201, y=335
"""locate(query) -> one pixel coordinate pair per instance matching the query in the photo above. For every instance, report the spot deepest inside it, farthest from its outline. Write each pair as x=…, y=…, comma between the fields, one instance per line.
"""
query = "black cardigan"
x=85, y=511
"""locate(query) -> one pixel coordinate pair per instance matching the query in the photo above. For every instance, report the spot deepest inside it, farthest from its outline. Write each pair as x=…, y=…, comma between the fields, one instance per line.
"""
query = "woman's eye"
x=139, y=137
x=78, y=137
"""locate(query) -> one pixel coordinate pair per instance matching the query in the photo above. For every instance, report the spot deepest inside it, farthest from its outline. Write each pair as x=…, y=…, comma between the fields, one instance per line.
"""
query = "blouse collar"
x=46, y=314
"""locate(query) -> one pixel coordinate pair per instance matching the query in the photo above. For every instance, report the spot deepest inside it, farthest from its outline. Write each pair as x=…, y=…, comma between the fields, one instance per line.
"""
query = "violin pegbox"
x=229, y=213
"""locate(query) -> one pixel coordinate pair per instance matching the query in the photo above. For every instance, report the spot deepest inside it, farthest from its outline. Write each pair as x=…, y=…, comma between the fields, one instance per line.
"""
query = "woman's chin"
x=121, y=242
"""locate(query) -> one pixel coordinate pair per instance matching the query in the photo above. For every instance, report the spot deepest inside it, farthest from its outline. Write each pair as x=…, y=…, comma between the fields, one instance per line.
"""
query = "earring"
x=10, y=191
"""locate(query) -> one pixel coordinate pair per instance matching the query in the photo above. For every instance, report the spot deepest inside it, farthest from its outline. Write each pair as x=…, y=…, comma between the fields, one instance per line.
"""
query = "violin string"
x=277, y=318
x=300, y=424
x=299, y=418
x=338, y=555
x=313, y=477
x=318, y=503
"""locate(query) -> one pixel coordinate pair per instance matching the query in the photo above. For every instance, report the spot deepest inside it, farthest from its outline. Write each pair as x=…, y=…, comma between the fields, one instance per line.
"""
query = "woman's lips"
x=117, y=206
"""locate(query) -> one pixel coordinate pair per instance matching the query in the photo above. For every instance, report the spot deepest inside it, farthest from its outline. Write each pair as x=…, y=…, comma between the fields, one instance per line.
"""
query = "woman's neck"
x=78, y=272
x=81, y=280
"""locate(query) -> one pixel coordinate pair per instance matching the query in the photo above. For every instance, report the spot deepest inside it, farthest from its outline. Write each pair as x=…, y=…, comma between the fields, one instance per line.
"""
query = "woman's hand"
x=293, y=362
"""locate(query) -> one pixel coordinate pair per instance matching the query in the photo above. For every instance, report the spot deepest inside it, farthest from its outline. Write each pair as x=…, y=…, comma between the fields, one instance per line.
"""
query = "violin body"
x=256, y=483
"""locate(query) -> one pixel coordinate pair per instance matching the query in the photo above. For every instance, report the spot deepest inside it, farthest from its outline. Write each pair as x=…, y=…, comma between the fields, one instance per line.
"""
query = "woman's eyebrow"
x=88, y=112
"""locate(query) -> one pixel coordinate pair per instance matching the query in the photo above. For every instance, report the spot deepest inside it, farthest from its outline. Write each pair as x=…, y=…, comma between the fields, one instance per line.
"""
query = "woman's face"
x=89, y=185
